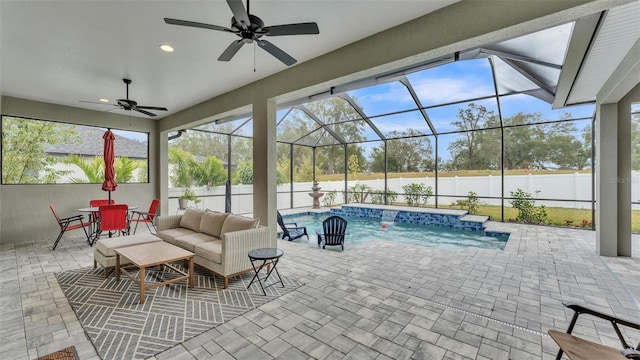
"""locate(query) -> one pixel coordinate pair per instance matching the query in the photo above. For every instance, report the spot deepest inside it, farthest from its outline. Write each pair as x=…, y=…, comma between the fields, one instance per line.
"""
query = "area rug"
x=64, y=354
x=121, y=328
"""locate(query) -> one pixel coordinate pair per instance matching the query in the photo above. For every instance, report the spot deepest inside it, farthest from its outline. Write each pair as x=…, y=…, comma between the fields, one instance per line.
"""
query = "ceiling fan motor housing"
x=253, y=31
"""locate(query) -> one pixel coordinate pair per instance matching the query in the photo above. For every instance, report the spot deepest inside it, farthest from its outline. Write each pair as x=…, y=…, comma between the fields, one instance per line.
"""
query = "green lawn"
x=556, y=216
x=580, y=218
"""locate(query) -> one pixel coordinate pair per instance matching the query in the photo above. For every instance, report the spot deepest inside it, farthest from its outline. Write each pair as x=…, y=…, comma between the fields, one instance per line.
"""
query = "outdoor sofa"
x=220, y=241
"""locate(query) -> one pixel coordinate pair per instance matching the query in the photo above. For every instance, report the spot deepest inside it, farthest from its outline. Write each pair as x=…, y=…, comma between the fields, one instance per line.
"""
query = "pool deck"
x=379, y=300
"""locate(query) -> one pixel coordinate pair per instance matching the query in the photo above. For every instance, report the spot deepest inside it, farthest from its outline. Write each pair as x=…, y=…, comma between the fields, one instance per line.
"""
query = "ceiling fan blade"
x=96, y=102
x=237, y=8
x=231, y=50
x=196, y=24
x=144, y=112
x=152, y=108
x=292, y=29
x=277, y=52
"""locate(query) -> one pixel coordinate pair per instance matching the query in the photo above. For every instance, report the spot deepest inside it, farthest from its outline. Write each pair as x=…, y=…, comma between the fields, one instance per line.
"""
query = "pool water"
x=362, y=230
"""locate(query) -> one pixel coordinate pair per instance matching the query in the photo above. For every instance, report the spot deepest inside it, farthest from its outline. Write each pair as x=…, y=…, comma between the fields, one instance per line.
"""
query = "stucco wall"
x=24, y=209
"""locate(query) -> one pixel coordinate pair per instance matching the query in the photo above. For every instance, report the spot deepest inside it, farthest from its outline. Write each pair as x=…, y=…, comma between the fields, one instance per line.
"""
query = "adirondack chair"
x=334, y=230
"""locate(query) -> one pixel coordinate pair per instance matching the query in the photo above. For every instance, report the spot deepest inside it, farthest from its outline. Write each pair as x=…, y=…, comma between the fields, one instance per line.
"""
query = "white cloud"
x=444, y=90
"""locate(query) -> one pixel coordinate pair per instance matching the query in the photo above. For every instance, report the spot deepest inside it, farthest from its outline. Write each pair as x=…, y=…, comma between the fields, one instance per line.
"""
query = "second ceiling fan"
x=251, y=28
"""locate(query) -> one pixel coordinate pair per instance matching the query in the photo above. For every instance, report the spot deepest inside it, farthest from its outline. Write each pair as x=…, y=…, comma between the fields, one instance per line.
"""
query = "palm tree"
x=93, y=169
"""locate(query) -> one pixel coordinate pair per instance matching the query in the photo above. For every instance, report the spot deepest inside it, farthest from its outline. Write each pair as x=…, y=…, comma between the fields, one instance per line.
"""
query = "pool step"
x=482, y=219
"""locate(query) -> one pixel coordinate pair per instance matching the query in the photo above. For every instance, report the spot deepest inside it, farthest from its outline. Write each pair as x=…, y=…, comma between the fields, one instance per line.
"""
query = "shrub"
x=358, y=193
x=329, y=198
x=471, y=203
x=377, y=196
x=528, y=212
x=414, y=192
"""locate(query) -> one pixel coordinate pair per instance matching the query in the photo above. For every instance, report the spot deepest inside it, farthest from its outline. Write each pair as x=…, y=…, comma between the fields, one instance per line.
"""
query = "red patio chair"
x=145, y=216
x=113, y=218
x=97, y=203
x=67, y=224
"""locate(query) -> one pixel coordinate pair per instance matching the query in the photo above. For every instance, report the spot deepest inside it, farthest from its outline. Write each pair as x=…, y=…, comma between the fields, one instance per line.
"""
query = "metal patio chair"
x=113, y=219
x=68, y=224
x=145, y=217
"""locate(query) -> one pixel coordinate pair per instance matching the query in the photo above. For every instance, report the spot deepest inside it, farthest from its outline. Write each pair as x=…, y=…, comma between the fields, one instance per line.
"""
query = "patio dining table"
x=95, y=231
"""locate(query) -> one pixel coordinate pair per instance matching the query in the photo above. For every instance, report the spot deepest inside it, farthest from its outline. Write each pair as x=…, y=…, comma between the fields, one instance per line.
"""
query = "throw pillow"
x=191, y=219
x=211, y=223
x=236, y=223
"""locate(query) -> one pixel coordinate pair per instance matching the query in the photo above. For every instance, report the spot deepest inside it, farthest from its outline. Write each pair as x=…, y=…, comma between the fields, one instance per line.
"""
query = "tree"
x=93, y=169
x=303, y=171
x=24, y=160
x=407, y=152
x=354, y=164
x=183, y=163
x=211, y=172
x=125, y=169
x=522, y=148
x=529, y=143
x=243, y=173
x=563, y=149
x=474, y=149
x=299, y=127
x=212, y=140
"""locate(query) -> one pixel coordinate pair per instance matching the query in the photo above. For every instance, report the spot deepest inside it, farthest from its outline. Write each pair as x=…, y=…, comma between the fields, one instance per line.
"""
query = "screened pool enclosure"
x=473, y=128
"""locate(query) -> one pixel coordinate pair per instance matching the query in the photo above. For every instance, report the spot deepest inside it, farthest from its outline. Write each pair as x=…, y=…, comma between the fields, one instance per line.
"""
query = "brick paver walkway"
x=379, y=300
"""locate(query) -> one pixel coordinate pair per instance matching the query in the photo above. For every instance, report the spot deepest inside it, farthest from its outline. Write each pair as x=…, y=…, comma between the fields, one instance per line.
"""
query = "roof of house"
x=92, y=144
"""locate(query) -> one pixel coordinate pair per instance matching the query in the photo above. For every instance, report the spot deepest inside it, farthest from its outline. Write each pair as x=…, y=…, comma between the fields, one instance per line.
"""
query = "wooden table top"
x=154, y=253
x=579, y=349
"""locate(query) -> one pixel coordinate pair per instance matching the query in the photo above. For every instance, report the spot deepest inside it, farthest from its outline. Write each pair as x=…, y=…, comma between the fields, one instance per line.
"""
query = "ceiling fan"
x=128, y=104
x=251, y=28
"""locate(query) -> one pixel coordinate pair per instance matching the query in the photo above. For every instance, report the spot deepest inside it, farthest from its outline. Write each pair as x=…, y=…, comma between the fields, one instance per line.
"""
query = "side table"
x=268, y=256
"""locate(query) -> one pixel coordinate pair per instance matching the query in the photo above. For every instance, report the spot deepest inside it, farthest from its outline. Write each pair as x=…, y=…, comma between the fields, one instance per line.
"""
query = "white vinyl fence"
x=571, y=187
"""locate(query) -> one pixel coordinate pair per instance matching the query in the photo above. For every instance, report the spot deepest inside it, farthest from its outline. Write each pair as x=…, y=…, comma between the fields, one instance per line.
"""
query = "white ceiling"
x=64, y=52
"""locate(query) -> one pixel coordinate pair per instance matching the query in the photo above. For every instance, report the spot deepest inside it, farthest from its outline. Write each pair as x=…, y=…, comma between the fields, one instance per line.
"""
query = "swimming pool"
x=362, y=230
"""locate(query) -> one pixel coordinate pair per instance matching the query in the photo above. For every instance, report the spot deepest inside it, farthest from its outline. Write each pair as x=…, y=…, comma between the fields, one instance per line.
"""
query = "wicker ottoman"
x=104, y=255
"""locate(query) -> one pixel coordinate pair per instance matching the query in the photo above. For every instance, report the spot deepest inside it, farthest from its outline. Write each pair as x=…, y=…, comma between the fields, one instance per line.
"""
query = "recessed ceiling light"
x=104, y=100
x=166, y=47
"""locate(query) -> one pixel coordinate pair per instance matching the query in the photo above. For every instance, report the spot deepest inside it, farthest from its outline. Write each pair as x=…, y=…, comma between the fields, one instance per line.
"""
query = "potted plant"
x=187, y=195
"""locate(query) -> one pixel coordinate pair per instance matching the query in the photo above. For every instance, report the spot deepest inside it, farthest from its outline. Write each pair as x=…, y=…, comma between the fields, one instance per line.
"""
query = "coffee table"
x=151, y=254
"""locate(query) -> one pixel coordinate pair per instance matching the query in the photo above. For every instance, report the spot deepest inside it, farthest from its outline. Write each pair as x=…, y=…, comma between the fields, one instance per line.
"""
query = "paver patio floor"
x=379, y=300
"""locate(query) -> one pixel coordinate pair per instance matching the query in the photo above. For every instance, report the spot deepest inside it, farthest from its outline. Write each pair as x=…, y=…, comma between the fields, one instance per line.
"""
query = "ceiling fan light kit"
x=251, y=28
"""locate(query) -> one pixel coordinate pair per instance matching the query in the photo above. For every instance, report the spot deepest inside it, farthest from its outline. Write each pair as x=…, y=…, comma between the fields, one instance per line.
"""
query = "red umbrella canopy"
x=109, y=183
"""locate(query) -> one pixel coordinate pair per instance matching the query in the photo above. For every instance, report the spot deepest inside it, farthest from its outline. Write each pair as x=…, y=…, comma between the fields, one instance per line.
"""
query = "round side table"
x=268, y=256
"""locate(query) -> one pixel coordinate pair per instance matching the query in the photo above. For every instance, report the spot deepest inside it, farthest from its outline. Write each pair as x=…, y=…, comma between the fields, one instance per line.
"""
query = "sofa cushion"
x=189, y=242
x=170, y=235
x=210, y=250
x=236, y=223
x=107, y=245
x=191, y=219
x=211, y=222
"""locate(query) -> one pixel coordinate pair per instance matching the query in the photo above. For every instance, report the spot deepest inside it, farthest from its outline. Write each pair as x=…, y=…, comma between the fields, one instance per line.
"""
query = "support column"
x=265, y=159
x=613, y=181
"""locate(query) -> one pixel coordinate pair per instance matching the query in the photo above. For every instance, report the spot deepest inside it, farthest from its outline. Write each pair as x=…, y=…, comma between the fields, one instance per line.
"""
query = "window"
x=47, y=152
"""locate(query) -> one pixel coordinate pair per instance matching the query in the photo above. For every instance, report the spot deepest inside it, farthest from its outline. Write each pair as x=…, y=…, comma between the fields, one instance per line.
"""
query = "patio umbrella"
x=109, y=183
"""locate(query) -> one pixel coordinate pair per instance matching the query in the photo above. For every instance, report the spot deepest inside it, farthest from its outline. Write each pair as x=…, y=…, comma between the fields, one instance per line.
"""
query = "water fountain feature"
x=316, y=195
x=389, y=216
